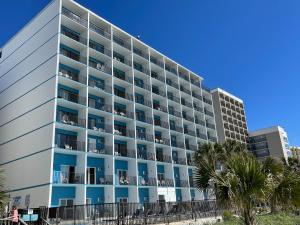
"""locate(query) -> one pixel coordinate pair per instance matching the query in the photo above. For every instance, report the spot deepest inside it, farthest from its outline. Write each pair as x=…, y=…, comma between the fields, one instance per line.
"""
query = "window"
x=0, y=54
x=171, y=110
x=139, y=98
x=172, y=125
x=141, y=132
x=170, y=95
x=140, y=115
x=119, y=74
x=139, y=82
x=155, y=89
x=157, y=121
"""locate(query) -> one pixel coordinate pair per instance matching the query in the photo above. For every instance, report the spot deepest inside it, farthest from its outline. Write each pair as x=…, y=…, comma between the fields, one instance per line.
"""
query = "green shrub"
x=227, y=215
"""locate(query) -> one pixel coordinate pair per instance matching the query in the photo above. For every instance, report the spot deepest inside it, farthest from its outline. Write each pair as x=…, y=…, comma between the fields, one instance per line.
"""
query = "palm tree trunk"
x=248, y=217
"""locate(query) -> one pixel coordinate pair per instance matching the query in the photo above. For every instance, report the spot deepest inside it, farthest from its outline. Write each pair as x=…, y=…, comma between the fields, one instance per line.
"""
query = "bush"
x=227, y=215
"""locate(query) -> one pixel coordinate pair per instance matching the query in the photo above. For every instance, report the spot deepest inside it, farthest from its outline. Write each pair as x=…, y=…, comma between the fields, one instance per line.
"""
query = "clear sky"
x=249, y=48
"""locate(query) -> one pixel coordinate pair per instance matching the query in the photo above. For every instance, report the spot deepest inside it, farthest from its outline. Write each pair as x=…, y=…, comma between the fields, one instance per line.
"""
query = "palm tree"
x=3, y=195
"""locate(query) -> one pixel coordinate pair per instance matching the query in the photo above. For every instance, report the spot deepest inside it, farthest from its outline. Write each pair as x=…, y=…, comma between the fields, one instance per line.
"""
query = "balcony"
x=69, y=144
x=74, y=36
x=157, y=77
x=174, y=98
x=184, y=76
x=128, y=180
x=209, y=113
x=191, y=181
x=199, y=121
x=195, y=82
x=206, y=100
x=140, y=68
x=161, y=123
x=100, y=31
x=199, y=97
x=100, y=67
x=188, y=118
x=72, y=76
x=198, y=108
x=145, y=102
x=144, y=137
x=66, y=12
x=186, y=103
x=144, y=119
x=210, y=125
x=102, y=107
x=145, y=155
x=181, y=183
x=156, y=62
x=104, y=180
x=140, y=53
x=147, y=181
x=165, y=183
x=213, y=139
x=125, y=152
x=121, y=42
x=202, y=136
x=158, y=92
x=160, y=107
x=190, y=162
x=67, y=178
x=124, y=132
x=101, y=127
x=99, y=48
x=185, y=90
x=142, y=85
x=164, y=158
x=124, y=113
x=72, y=55
x=191, y=147
x=177, y=144
x=123, y=95
x=163, y=141
x=171, y=70
x=190, y=132
x=100, y=149
x=122, y=76
x=180, y=161
x=71, y=97
x=172, y=84
x=97, y=85
x=176, y=128
x=175, y=113
x=70, y=119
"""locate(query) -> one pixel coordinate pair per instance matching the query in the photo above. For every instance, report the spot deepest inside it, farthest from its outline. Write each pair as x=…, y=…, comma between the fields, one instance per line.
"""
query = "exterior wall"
x=27, y=104
x=218, y=117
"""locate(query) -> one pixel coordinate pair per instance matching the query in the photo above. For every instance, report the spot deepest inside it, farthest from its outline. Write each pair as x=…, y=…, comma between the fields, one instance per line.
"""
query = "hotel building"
x=90, y=114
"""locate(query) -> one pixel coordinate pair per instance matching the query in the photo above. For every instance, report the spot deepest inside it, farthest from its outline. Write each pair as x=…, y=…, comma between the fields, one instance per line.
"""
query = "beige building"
x=270, y=141
x=229, y=116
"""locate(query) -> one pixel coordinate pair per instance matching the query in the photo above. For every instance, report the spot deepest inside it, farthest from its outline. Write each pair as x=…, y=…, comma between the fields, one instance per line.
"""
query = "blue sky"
x=249, y=48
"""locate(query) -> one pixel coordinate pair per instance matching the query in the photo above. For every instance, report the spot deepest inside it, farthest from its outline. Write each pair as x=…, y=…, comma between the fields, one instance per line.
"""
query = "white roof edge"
x=267, y=130
x=227, y=93
x=151, y=48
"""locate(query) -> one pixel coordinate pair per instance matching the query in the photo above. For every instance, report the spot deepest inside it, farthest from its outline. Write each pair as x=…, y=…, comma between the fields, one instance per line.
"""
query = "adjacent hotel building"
x=90, y=114
x=230, y=116
x=270, y=142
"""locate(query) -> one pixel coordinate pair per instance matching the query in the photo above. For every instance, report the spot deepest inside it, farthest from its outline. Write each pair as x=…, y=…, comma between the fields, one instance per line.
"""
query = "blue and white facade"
x=90, y=114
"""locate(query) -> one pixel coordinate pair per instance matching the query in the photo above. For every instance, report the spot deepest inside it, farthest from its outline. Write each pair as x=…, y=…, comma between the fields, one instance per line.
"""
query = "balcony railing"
x=143, y=85
x=76, y=37
x=70, y=145
x=174, y=98
x=161, y=124
x=72, y=120
x=147, y=181
x=186, y=103
x=163, y=141
x=176, y=128
x=67, y=178
x=73, y=77
x=96, y=85
x=165, y=182
x=140, y=53
x=125, y=113
x=101, y=67
x=145, y=119
x=180, y=161
x=181, y=183
x=188, y=118
x=199, y=121
x=129, y=180
x=209, y=113
x=145, y=102
x=159, y=92
x=171, y=70
x=73, y=56
x=207, y=101
x=185, y=90
x=145, y=155
x=199, y=97
x=104, y=180
x=125, y=78
x=213, y=139
x=141, y=69
x=191, y=147
x=102, y=107
x=177, y=144
x=145, y=137
x=106, y=128
x=122, y=42
x=202, y=136
x=172, y=84
x=100, y=31
x=195, y=82
x=126, y=133
x=103, y=50
x=184, y=76
x=164, y=158
x=100, y=149
x=66, y=12
x=125, y=153
x=190, y=132
x=175, y=113
x=210, y=125
x=157, y=62
x=157, y=77
x=160, y=108
x=71, y=97
x=190, y=162
x=198, y=108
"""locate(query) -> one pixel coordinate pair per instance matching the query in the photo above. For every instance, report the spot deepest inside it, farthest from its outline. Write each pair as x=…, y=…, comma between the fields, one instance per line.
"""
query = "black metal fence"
x=129, y=213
